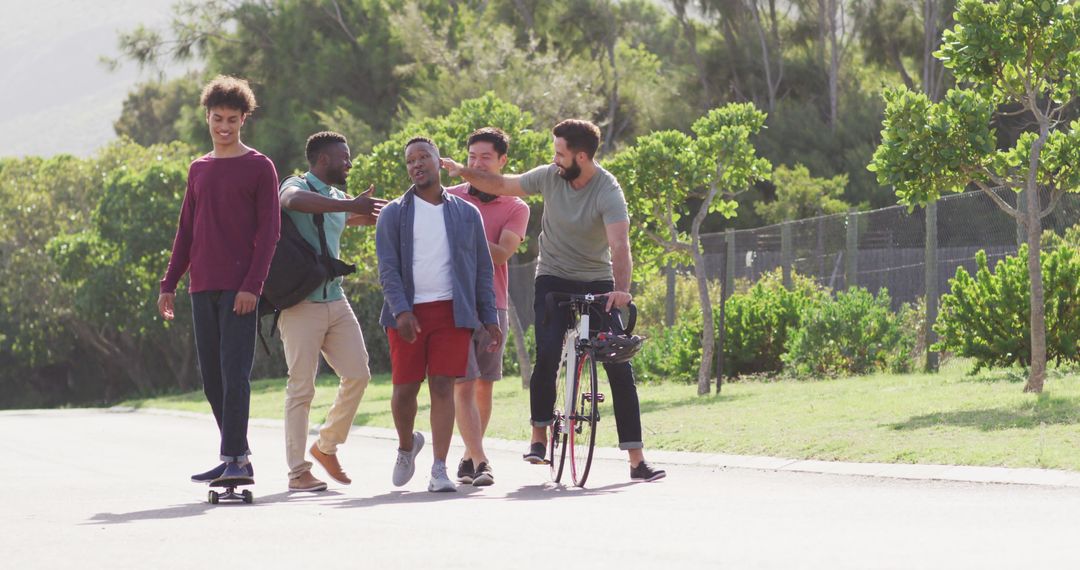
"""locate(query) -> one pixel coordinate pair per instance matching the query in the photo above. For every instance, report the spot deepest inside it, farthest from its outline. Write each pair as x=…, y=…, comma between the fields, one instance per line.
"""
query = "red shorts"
x=441, y=348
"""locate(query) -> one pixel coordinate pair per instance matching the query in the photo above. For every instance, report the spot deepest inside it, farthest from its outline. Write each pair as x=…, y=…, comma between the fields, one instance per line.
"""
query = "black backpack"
x=297, y=270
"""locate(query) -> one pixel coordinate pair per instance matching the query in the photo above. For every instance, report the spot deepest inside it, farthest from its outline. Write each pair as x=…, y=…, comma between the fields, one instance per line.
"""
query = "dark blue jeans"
x=225, y=343
x=549, y=339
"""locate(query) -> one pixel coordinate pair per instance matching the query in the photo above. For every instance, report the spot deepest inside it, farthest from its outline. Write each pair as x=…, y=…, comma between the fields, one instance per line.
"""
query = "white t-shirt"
x=431, y=254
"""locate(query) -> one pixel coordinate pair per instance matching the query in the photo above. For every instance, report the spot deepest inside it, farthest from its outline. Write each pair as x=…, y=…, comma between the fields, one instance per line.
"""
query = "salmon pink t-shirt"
x=507, y=213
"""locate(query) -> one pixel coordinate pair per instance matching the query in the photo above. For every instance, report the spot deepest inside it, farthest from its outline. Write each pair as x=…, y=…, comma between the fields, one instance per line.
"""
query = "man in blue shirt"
x=438, y=286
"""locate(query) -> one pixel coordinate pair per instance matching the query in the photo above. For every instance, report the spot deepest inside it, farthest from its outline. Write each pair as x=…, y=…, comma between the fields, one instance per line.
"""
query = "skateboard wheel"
x=213, y=498
x=248, y=497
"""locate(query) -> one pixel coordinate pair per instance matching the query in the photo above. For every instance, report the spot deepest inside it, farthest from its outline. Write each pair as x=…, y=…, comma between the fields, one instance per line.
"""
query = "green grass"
x=948, y=418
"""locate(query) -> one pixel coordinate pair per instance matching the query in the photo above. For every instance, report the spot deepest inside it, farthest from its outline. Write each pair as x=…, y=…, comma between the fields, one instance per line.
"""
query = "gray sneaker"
x=405, y=465
x=440, y=482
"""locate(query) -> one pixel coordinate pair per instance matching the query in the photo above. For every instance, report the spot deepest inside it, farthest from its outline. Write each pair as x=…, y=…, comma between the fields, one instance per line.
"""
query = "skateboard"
x=230, y=494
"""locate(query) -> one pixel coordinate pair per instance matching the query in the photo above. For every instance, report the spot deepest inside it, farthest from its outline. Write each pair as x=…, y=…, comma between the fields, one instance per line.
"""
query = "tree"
x=799, y=195
x=1015, y=54
x=665, y=171
x=110, y=272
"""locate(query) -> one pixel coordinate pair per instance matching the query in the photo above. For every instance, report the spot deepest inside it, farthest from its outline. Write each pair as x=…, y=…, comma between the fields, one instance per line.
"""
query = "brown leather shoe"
x=330, y=463
x=306, y=482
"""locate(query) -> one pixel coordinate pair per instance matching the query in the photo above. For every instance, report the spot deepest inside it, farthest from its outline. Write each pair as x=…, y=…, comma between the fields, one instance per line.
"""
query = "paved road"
x=94, y=489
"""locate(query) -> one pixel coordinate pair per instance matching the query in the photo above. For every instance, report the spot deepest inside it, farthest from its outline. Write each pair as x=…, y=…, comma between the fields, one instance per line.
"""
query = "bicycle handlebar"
x=556, y=299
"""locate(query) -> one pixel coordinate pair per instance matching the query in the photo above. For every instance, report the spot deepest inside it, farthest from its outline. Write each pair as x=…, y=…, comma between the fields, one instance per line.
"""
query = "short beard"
x=570, y=174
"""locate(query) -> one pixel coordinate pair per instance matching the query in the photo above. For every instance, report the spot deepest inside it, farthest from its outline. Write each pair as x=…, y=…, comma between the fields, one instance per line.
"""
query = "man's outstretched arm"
x=484, y=181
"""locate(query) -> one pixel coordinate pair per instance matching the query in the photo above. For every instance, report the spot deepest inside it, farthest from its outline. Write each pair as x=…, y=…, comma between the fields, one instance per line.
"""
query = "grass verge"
x=949, y=417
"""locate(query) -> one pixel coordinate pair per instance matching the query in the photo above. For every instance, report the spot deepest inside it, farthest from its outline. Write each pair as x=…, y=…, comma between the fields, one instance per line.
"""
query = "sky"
x=57, y=96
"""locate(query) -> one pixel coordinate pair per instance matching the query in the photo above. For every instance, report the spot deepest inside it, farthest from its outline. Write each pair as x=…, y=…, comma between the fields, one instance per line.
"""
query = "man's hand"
x=245, y=303
x=165, y=305
x=408, y=327
x=452, y=168
x=618, y=299
x=365, y=205
x=495, y=337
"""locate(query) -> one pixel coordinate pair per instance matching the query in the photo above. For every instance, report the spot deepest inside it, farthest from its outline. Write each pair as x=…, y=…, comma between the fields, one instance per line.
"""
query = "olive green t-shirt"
x=573, y=240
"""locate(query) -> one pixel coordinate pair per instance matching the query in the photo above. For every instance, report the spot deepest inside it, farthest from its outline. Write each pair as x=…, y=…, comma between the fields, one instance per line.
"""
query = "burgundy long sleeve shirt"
x=230, y=222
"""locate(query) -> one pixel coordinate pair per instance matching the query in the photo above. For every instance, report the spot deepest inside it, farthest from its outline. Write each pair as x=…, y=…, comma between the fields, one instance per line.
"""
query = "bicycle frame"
x=570, y=356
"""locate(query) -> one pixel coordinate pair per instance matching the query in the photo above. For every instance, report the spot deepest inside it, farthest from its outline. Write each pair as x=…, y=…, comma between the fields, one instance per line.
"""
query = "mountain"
x=57, y=96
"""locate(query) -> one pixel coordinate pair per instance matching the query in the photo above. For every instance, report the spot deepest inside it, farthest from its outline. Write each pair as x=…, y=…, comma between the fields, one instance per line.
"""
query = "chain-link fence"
x=884, y=248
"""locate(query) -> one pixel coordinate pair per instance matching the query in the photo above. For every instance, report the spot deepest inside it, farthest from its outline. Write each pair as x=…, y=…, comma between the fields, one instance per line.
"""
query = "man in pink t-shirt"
x=505, y=222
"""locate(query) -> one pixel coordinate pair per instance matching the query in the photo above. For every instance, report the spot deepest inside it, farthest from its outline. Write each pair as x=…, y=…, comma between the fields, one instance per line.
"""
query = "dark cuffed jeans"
x=225, y=343
x=549, y=339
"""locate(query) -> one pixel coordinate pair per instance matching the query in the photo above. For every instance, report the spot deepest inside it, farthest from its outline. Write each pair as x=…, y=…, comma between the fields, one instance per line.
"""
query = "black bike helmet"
x=616, y=348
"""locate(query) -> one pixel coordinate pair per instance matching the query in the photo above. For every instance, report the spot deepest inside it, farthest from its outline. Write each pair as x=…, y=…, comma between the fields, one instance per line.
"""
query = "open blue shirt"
x=473, y=273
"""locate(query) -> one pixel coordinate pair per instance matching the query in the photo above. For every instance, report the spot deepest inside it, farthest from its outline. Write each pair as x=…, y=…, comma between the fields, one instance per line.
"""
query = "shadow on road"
x=548, y=491
x=198, y=509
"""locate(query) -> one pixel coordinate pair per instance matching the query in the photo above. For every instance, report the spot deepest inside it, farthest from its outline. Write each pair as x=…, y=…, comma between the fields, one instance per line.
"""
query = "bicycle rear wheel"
x=583, y=420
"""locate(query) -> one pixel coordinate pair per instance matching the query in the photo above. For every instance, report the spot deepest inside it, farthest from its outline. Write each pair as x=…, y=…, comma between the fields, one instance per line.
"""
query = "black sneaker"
x=235, y=474
x=483, y=476
x=645, y=472
x=465, y=471
x=216, y=472
x=537, y=454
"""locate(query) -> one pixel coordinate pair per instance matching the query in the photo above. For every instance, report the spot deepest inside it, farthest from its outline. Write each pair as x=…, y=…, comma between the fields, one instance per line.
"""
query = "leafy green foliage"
x=985, y=316
x=799, y=195
x=664, y=172
x=760, y=321
x=853, y=333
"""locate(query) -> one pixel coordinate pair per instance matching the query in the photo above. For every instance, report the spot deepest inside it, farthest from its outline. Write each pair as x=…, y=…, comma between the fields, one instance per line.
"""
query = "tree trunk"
x=708, y=335
x=1037, y=374
x=834, y=66
x=524, y=363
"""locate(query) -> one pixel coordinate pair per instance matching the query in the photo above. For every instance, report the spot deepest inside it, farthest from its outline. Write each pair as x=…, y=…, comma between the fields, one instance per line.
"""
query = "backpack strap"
x=319, y=221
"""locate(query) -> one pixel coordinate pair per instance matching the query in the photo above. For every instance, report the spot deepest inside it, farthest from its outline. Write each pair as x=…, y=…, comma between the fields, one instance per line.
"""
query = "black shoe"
x=483, y=476
x=465, y=471
x=537, y=454
x=645, y=472
x=235, y=474
x=216, y=472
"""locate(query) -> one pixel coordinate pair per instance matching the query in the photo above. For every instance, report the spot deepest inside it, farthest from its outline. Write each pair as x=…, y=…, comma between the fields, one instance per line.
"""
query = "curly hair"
x=230, y=92
x=319, y=141
x=495, y=136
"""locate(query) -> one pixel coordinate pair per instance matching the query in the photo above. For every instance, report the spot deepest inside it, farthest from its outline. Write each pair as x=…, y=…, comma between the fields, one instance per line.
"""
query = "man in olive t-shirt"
x=584, y=248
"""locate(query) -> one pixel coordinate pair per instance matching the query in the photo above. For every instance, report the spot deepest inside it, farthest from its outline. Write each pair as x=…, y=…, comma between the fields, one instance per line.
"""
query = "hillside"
x=58, y=97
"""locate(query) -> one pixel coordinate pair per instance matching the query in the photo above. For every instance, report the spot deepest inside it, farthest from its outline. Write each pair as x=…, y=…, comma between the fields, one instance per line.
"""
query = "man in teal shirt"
x=324, y=323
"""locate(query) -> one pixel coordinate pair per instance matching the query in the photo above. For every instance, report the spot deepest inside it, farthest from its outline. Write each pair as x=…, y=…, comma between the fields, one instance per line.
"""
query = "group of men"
x=442, y=256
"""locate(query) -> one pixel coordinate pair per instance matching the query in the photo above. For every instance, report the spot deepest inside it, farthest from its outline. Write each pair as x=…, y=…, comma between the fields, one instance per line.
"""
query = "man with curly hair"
x=228, y=229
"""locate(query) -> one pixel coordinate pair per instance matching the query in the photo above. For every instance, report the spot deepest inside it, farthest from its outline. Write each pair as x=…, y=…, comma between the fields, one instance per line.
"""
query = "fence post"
x=851, y=266
x=722, y=333
x=932, y=359
x=1021, y=206
x=669, y=304
x=785, y=252
x=729, y=263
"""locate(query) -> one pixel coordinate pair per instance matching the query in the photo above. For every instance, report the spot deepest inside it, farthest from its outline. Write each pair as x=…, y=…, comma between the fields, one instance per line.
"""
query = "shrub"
x=759, y=322
x=986, y=316
x=854, y=333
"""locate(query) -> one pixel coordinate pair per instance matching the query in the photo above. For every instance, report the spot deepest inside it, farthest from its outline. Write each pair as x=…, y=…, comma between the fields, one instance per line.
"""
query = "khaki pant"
x=307, y=330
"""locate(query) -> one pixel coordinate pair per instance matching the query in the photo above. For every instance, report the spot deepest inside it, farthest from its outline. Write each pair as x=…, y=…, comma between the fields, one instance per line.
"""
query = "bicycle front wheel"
x=557, y=439
x=583, y=419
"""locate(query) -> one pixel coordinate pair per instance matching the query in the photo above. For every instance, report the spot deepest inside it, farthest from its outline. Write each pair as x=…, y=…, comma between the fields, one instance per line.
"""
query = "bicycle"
x=577, y=395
